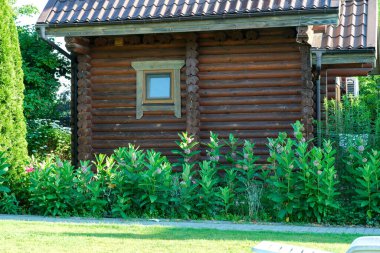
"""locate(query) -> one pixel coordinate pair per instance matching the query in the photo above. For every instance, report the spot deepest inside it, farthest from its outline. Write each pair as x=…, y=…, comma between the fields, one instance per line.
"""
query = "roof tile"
x=351, y=32
x=85, y=11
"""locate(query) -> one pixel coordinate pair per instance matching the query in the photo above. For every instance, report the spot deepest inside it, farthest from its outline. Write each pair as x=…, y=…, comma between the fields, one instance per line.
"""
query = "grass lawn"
x=62, y=237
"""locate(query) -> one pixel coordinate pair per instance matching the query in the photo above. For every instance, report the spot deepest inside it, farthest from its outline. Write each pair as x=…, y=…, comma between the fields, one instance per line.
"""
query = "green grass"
x=60, y=237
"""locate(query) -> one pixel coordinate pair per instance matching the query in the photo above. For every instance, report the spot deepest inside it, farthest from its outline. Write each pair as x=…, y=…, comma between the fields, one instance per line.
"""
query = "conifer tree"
x=12, y=121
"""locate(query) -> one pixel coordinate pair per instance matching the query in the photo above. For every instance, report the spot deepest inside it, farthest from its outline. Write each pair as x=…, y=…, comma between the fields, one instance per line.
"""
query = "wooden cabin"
x=145, y=70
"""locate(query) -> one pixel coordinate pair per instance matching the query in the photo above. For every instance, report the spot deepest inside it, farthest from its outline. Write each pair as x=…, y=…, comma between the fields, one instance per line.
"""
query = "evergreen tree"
x=12, y=121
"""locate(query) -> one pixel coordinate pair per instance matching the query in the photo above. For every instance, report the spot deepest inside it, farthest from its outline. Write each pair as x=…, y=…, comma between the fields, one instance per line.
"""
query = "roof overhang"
x=200, y=24
x=363, y=56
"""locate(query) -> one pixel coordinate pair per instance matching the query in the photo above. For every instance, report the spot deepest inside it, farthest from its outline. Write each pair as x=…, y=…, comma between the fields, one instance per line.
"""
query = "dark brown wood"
x=81, y=47
x=307, y=92
x=192, y=80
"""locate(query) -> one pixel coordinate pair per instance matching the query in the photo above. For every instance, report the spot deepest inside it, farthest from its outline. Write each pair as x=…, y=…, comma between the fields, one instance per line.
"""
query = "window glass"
x=158, y=86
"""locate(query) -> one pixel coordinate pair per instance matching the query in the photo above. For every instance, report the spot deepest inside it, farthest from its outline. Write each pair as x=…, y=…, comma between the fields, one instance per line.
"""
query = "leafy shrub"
x=46, y=137
x=8, y=201
x=364, y=178
x=302, y=185
x=52, y=188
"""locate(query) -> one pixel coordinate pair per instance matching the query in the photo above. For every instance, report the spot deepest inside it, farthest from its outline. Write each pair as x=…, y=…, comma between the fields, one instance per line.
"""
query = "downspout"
x=74, y=95
x=318, y=81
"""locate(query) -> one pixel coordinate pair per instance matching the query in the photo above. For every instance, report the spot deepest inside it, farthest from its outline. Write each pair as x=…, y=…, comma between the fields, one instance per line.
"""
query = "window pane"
x=158, y=86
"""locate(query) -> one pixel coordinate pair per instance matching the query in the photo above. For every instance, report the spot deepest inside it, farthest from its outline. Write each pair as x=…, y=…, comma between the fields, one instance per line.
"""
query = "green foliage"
x=47, y=137
x=184, y=192
x=302, y=185
x=8, y=201
x=12, y=123
x=51, y=188
x=42, y=66
x=370, y=93
x=43, y=108
x=206, y=197
x=364, y=177
x=186, y=149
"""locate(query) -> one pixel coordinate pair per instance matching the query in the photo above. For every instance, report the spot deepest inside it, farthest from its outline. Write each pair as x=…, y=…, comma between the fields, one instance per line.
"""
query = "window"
x=158, y=86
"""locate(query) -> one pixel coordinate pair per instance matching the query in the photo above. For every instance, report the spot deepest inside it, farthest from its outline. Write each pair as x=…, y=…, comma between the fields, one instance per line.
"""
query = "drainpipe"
x=318, y=69
x=74, y=95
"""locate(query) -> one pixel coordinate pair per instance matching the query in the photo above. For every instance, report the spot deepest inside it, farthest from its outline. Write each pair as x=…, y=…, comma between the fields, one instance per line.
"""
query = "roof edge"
x=201, y=23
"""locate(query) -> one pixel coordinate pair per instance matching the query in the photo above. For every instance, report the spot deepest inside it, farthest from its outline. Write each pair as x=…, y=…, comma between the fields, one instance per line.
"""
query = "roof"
x=66, y=12
x=353, y=28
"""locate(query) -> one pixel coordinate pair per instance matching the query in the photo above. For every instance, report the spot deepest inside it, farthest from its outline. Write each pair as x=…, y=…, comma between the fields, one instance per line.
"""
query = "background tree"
x=43, y=67
x=12, y=121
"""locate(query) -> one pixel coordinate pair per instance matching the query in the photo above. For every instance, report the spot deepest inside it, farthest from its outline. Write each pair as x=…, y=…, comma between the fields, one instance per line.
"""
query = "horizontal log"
x=250, y=83
x=115, y=62
x=110, y=79
x=239, y=58
x=212, y=126
x=244, y=117
x=105, y=144
x=278, y=65
x=113, y=103
x=129, y=95
x=114, y=87
x=238, y=75
x=245, y=134
x=249, y=49
x=140, y=46
x=129, y=112
x=113, y=70
x=126, y=95
x=162, y=54
x=135, y=136
x=250, y=100
x=228, y=109
x=263, y=40
x=132, y=119
x=169, y=127
x=290, y=90
x=164, y=151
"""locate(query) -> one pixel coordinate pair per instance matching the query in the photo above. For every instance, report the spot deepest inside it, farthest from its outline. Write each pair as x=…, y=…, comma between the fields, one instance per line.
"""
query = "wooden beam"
x=192, y=89
x=192, y=25
x=308, y=107
x=344, y=57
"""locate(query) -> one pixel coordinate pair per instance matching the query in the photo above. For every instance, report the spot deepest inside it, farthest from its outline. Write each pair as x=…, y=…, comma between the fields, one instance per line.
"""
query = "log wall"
x=249, y=85
x=114, y=122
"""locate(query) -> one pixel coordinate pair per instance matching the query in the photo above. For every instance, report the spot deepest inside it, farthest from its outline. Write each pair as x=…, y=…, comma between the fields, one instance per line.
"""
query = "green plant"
x=47, y=137
x=206, y=197
x=8, y=201
x=126, y=196
x=214, y=147
x=52, y=188
x=368, y=185
x=12, y=123
x=187, y=150
x=250, y=177
x=155, y=183
x=225, y=200
x=303, y=183
x=232, y=143
x=282, y=182
x=183, y=194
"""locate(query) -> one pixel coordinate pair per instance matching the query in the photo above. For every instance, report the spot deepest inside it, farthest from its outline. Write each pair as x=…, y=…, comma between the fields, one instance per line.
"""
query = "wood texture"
x=114, y=96
x=308, y=105
x=249, y=86
x=80, y=46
